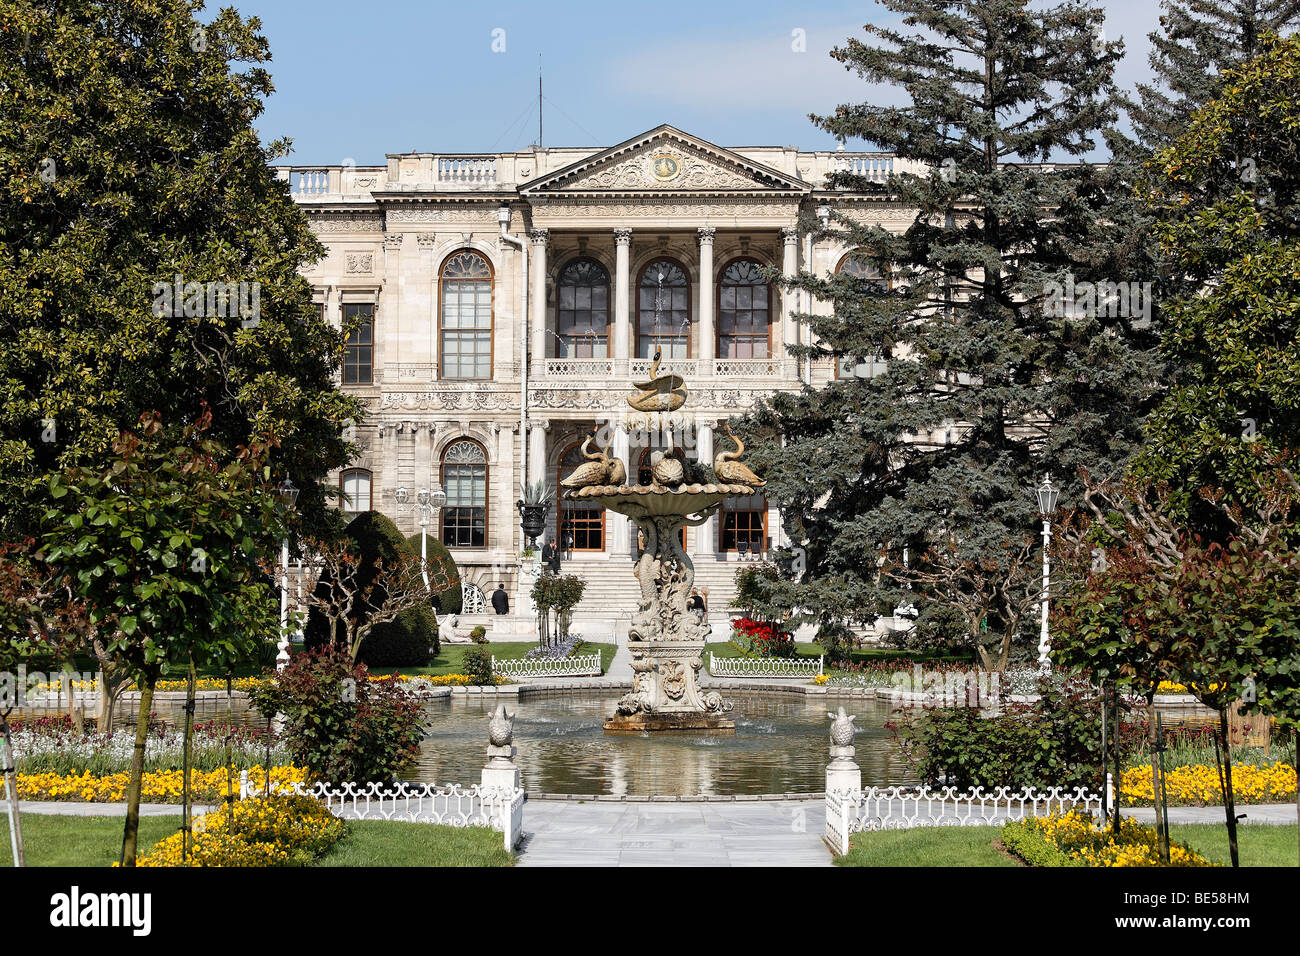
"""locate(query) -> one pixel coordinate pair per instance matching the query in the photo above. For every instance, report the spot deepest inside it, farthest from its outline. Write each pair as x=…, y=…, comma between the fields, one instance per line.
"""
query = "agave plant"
x=536, y=494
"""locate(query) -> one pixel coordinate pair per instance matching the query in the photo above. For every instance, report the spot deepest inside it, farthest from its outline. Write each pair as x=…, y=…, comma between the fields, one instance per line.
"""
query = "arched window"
x=582, y=310
x=856, y=264
x=742, y=524
x=859, y=266
x=581, y=524
x=663, y=310
x=465, y=342
x=744, y=312
x=464, y=478
x=355, y=485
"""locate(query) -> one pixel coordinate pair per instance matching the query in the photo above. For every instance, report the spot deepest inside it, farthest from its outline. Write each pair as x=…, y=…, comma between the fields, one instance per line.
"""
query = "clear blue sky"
x=360, y=80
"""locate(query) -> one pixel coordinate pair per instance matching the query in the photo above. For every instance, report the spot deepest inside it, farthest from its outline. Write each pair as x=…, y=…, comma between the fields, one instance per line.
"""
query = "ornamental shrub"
x=479, y=634
x=477, y=665
x=762, y=639
x=409, y=640
x=275, y=830
x=339, y=724
x=1053, y=742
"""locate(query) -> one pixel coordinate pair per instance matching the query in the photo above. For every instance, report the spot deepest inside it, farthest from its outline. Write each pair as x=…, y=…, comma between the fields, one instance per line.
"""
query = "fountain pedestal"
x=666, y=639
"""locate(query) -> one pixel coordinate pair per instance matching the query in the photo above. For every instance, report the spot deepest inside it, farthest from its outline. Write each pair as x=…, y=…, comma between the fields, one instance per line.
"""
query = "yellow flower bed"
x=157, y=786
x=262, y=831
x=821, y=680
x=1084, y=843
x=1198, y=785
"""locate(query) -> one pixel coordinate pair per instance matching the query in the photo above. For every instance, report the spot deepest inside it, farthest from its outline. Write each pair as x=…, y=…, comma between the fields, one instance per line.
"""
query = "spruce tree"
x=987, y=383
x=1199, y=41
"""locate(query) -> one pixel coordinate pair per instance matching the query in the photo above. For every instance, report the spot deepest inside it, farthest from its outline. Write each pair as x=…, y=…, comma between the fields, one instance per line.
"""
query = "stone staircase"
x=610, y=599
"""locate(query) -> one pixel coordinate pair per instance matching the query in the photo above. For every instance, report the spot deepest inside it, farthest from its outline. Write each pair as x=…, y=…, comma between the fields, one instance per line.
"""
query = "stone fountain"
x=666, y=639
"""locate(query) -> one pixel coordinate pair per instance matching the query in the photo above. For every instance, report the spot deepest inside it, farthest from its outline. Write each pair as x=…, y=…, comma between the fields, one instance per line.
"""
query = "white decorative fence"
x=904, y=808
x=578, y=665
x=452, y=805
x=765, y=666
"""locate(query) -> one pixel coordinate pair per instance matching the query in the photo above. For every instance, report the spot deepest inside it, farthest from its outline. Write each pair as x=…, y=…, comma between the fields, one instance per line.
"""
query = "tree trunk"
x=11, y=785
x=132, y=829
x=1295, y=760
x=1153, y=743
x=187, y=801
x=1229, y=805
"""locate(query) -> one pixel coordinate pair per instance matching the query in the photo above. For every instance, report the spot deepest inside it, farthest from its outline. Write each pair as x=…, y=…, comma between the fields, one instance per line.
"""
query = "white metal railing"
x=579, y=665
x=453, y=805
x=765, y=666
x=466, y=170
x=905, y=808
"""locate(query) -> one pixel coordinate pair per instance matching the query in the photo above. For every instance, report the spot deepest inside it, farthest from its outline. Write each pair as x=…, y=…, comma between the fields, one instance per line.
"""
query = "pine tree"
x=989, y=381
x=1199, y=41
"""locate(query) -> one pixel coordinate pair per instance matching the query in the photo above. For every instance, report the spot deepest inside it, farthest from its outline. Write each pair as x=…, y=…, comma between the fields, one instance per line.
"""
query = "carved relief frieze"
x=322, y=223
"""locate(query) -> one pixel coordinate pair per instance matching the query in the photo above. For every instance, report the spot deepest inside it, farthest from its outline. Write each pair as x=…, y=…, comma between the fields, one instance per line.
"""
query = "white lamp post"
x=429, y=501
x=288, y=496
x=1047, y=497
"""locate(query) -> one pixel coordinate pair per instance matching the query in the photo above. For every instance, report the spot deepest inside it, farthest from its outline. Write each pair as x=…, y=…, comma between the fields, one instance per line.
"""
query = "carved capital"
x=790, y=234
x=622, y=236
x=427, y=240
x=393, y=242
x=706, y=234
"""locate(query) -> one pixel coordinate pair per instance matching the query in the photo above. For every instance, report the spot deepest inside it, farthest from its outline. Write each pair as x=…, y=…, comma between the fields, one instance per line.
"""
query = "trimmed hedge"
x=1025, y=842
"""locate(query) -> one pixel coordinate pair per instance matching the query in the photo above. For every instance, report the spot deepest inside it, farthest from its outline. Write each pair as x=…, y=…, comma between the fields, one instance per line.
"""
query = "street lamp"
x=1047, y=497
x=429, y=501
x=288, y=496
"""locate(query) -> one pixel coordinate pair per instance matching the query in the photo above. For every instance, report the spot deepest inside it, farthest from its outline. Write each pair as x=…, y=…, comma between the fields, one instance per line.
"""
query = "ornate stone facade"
x=657, y=242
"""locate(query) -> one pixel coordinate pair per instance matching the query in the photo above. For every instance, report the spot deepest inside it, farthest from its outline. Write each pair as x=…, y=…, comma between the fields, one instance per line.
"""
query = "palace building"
x=508, y=300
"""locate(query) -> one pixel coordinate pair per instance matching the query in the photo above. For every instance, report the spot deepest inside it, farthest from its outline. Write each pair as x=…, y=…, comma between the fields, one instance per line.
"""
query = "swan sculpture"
x=731, y=471
x=598, y=469
x=663, y=393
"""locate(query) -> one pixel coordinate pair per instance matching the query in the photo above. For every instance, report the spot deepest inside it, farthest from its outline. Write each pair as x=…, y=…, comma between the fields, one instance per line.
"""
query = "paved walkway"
x=776, y=833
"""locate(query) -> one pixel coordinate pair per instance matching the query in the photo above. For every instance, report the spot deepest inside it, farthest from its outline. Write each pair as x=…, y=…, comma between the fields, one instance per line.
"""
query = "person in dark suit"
x=500, y=600
x=551, y=556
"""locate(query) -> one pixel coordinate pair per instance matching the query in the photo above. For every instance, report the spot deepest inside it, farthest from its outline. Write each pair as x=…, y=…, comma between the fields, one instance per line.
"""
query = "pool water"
x=780, y=746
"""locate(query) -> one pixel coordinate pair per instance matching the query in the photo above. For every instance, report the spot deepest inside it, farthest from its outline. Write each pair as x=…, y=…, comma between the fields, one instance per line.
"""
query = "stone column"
x=537, y=298
x=537, y=448
x=425, y=302
x=789, y=266
x=388, y=343
x=706, y=535
x=621, y=536
x=707, y=331
x=622, y=292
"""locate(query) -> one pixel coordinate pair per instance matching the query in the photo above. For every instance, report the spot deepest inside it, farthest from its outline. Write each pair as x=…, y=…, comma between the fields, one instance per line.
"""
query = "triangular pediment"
x=664, y=160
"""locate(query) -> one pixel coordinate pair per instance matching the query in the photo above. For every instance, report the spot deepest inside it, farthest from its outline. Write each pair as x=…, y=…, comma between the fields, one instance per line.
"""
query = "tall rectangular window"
x=466, y=307
x=359, y=352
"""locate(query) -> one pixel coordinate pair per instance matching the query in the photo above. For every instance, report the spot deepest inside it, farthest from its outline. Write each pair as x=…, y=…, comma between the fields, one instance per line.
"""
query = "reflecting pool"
x=780, y=746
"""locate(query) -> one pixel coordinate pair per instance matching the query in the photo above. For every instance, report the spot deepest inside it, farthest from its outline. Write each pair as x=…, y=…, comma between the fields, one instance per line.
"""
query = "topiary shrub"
x=436, y=553
x=412, y=637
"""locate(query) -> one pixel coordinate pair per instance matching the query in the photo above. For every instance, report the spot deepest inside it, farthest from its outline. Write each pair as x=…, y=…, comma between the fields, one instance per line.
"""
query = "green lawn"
x=926, y=846
x=450, y=657
x=1260, y=845
x=57, y=840
x=393, y=843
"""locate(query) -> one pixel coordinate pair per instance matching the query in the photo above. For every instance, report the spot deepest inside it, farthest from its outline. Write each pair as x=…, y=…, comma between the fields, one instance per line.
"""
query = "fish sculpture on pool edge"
x=501, y=728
